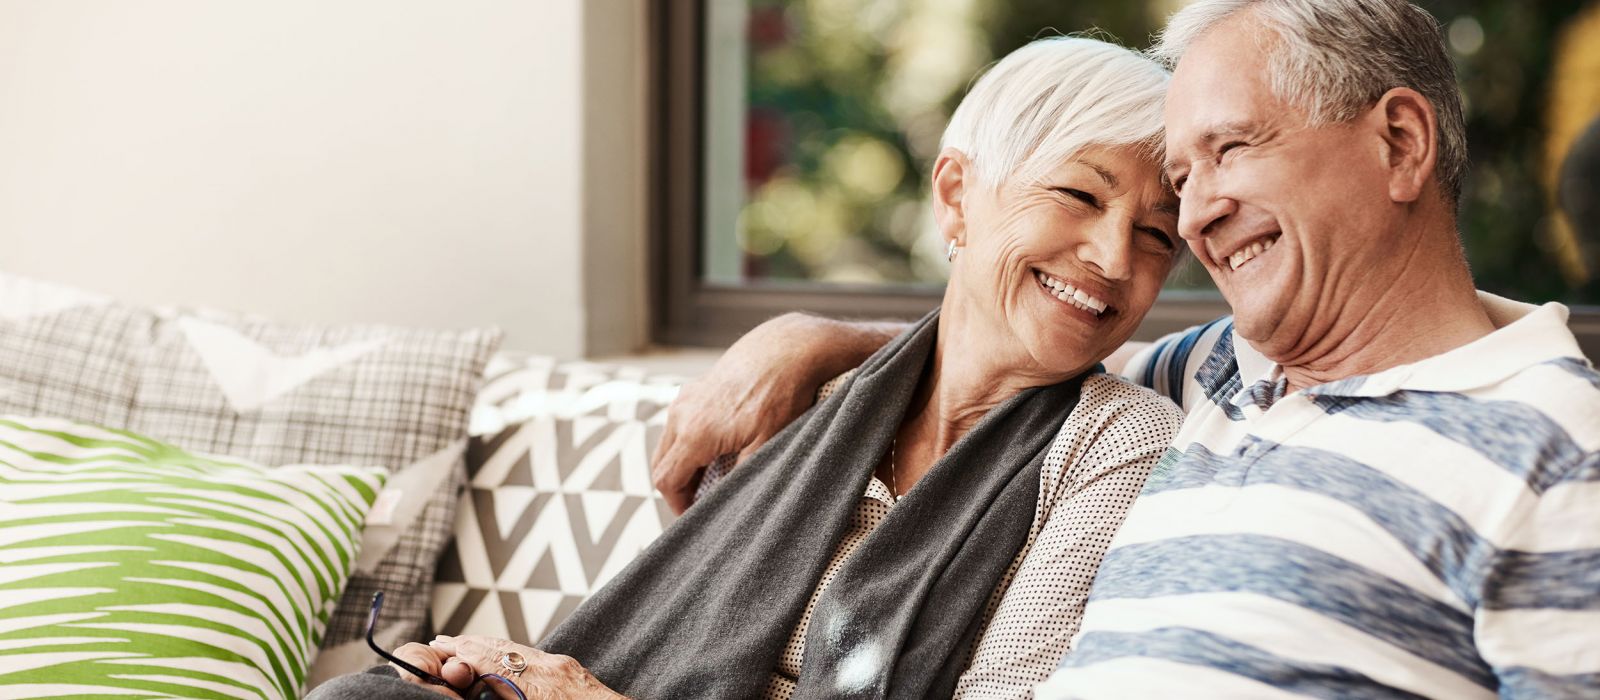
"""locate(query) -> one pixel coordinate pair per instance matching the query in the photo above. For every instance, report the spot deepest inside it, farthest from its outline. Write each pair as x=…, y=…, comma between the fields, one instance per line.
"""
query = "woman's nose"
x=1110, y=250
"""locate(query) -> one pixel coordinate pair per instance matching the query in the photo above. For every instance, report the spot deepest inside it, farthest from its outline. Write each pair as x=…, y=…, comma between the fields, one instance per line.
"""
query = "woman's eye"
x=1159, y=235
x=1080, y=195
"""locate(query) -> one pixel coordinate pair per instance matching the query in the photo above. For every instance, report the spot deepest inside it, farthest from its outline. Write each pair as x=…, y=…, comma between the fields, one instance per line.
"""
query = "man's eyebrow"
x=1226, y=129
x=1211, y=136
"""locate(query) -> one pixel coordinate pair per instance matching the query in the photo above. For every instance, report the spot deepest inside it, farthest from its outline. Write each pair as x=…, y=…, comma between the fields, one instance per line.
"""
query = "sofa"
x=482, y=491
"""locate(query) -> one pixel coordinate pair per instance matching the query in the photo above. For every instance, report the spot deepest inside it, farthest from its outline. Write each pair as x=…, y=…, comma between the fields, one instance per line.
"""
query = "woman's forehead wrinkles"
x=1105, y=174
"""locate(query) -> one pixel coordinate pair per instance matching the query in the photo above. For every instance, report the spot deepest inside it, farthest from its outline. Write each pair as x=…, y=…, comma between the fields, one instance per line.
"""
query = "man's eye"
x=1228, y=147
x=1177, y=185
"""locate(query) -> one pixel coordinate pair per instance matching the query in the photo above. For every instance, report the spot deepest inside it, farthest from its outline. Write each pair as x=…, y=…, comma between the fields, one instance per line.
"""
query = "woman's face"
x=1064, y=268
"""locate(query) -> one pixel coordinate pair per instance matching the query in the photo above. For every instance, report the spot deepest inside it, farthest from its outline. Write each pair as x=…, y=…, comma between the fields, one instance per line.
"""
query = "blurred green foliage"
x=847, y=99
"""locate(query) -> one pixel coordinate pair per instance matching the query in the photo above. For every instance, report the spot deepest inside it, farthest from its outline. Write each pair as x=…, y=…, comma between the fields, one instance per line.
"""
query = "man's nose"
x=1201, y=210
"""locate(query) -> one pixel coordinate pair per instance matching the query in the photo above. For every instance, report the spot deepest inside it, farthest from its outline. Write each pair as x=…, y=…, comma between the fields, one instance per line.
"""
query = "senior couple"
x=1381, y=482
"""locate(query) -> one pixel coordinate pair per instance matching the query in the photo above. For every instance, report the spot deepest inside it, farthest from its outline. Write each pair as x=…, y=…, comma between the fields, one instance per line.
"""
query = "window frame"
x=686, y=310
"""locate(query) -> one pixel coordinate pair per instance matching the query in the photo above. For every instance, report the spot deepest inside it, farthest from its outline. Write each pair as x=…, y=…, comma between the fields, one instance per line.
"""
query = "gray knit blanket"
x=706, y=610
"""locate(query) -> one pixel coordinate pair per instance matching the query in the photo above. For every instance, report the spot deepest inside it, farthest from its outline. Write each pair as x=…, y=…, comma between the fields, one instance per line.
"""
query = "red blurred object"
x=766, y=141
x=769, y=26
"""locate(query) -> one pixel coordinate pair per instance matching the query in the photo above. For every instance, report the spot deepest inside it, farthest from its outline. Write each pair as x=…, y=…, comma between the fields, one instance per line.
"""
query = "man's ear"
x=1409, y=137
x=952, y=173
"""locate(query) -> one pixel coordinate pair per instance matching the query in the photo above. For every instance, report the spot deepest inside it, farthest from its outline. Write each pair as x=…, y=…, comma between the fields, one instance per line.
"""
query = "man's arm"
x=1536, y=622
x=761, y=384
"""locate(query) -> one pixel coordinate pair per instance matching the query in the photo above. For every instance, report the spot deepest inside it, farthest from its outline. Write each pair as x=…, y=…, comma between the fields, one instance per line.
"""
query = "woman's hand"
x=437, y=662
x=547, y=677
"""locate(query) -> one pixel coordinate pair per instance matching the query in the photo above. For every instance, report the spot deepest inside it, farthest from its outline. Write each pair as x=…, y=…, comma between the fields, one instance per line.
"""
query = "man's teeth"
x=1070, y=294
x=1245, y=254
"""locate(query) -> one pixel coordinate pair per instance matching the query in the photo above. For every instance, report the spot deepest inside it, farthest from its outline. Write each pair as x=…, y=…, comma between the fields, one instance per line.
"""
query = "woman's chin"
x=1060, y=353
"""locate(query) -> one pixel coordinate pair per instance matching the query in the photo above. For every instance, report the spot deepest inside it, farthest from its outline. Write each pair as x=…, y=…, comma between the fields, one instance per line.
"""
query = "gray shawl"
x=706, y=610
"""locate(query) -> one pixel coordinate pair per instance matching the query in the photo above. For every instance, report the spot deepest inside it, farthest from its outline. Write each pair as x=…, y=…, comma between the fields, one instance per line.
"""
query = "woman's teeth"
x=1070, y=294
x=1247, y=253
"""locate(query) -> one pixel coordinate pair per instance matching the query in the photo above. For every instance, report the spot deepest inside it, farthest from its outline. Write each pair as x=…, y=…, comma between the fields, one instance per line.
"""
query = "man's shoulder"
x=1539, y=422
x=1190, y=365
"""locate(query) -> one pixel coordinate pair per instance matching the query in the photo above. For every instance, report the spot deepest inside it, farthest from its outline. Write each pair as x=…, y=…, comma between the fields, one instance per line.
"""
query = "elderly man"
x=1387, y=483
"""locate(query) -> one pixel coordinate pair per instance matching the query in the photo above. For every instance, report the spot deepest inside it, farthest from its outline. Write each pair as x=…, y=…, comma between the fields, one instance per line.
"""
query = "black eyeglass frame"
x=487, y=691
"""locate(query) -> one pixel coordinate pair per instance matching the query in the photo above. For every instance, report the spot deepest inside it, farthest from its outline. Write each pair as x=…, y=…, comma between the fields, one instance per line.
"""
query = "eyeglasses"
x=484, y=687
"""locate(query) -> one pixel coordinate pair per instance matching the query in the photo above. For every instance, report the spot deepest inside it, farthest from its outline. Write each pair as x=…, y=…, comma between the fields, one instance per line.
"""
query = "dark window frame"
x=688, y=311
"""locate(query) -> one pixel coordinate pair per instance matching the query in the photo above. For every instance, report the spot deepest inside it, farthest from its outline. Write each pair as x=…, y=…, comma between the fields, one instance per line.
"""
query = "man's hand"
x=761, y=384
x=547, y=676
x=437, y=662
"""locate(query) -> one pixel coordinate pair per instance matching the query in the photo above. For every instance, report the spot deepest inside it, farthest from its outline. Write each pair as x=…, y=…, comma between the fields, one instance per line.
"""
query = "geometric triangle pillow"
x=129, y=567
x=559, y=497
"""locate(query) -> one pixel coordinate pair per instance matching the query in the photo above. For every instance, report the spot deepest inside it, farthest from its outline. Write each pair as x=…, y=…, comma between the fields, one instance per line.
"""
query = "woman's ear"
x=950, y=179
x=1408, y=133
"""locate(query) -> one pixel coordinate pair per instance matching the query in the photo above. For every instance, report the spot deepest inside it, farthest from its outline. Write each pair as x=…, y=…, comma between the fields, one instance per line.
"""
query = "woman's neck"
x=956, y=391
x=963, y=381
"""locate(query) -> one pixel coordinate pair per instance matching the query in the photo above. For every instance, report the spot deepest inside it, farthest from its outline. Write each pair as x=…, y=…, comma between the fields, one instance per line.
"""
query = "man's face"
x=1286, y=217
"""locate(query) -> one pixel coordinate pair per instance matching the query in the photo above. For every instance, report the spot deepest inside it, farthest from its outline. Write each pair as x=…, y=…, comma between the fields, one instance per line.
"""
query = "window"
x=797, y=137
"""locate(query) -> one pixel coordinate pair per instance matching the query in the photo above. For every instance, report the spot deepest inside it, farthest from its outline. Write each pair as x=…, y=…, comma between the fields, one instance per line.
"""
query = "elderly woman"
x=931, y=526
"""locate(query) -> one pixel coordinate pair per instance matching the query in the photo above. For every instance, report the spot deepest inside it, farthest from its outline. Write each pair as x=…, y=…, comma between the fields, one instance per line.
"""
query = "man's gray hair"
x=1047, y=101
x=1335, y=58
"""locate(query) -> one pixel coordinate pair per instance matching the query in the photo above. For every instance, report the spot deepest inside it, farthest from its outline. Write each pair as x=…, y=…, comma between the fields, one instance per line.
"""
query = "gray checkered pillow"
x=67, y=354
x=559, y=497
x=270, y=393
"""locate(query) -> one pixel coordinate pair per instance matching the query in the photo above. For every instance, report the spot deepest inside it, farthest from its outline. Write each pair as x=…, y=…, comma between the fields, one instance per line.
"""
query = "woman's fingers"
x=437, y=661
x=484, y=652
x=431, y=660
x=546, y=675
x=422, y=656
x=458, y=672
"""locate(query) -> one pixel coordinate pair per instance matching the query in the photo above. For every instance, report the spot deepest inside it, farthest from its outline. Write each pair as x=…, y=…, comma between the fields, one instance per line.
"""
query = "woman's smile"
x=1071, y=299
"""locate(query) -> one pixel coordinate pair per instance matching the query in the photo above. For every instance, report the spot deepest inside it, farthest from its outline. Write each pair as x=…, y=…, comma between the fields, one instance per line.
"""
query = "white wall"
x=421, y=162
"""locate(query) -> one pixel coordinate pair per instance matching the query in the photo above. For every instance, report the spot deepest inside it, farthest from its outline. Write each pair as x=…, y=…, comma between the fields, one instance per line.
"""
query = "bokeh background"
x=842, y=103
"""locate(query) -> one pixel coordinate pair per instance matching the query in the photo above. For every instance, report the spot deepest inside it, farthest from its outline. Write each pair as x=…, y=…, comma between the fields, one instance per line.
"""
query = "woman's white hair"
x=1335, y=58
x=1046, y=102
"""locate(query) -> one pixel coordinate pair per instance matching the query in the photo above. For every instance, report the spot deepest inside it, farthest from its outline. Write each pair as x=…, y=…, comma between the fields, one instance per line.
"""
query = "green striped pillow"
x=133, y=569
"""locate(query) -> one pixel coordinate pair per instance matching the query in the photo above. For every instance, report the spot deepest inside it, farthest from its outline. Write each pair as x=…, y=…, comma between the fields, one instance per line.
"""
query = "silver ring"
x=513, y=664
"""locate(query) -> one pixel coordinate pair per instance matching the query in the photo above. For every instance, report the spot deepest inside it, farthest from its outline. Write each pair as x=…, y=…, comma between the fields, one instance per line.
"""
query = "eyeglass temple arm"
x=372, y=624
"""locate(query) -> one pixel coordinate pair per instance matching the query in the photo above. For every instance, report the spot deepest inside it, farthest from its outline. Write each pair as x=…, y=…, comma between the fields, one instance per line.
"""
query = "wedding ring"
x=513, y=664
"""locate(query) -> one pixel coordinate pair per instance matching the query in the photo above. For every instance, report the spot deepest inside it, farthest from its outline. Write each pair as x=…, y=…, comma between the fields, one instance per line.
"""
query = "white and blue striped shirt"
x=1432, y=530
